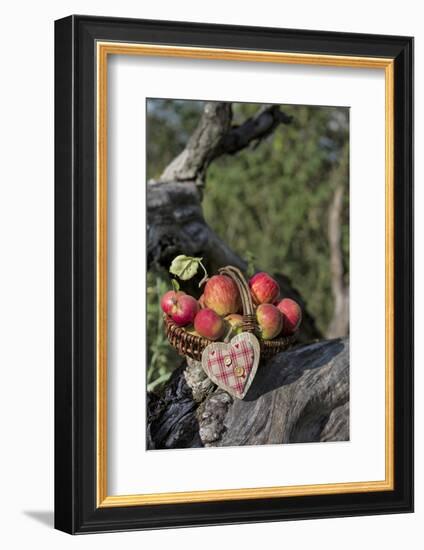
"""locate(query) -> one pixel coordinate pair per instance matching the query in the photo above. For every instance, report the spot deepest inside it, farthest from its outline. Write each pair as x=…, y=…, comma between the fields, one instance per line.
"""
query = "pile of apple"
x=218, y=312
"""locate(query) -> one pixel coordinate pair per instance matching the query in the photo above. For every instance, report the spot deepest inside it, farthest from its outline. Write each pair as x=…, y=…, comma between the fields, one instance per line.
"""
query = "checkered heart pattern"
x=232, y=366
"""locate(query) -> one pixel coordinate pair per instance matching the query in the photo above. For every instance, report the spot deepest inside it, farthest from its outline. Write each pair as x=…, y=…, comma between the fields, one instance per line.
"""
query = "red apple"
x=181, y=307
x=270, y=321
x=264, y=288
x=209, y=324
x=168, y=300
x=236, y=322
x=201, y=301
x=221, y=294
x=292, y=315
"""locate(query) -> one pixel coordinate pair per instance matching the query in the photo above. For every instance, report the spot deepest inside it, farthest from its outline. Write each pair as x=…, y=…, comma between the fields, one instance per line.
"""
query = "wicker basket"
x=193, y=346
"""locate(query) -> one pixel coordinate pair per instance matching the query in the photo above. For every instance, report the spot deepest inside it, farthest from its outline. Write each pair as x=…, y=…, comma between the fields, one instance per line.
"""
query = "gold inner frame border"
x=103, y=50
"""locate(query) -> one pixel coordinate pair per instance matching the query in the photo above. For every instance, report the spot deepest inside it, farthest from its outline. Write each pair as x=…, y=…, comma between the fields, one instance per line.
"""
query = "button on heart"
x=227, y=360
x=239, y=371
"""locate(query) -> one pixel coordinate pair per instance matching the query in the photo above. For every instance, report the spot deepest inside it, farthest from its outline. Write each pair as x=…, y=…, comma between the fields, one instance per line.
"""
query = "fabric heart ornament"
x=233, y=365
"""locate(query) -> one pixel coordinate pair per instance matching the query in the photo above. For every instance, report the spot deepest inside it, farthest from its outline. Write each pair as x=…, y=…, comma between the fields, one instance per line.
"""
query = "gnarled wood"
x=299, y=396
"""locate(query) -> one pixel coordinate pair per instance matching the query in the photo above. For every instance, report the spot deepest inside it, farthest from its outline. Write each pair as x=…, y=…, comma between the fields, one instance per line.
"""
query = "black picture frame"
x=76, y=510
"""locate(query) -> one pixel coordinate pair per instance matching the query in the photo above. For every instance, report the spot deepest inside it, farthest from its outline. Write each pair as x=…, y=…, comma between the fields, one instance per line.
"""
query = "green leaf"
x=185, y=267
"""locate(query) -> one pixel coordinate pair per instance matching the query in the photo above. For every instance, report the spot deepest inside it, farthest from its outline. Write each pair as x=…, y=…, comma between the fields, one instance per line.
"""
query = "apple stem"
x=205, y=277
x=175, y=285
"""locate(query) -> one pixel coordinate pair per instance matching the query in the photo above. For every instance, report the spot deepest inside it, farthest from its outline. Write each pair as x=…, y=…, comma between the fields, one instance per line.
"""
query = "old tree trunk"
x=298, y=396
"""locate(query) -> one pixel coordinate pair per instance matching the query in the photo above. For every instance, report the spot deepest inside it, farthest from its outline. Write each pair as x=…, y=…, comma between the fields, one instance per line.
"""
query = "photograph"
x=248, y=273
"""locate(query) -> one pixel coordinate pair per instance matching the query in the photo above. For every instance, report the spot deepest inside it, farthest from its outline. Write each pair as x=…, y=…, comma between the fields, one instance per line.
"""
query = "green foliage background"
x=269, y=201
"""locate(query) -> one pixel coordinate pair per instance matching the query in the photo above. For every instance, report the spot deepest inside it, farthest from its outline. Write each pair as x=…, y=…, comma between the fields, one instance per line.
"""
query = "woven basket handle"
x=249, y=318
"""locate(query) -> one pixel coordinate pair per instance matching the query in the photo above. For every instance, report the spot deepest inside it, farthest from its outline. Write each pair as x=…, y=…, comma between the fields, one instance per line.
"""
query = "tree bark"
x=299, y=396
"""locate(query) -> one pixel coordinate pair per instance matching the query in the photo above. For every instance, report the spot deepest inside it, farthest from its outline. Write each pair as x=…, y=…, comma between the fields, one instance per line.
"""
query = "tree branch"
x=192, y=162
x=339, y=325
x=254, y=129
x=214, y=136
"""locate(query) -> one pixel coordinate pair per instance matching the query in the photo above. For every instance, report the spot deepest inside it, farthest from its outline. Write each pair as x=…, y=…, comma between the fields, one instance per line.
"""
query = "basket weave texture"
x=192, y=346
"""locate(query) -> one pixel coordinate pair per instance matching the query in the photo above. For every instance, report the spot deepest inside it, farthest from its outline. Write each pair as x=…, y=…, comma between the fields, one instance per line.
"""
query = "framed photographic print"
x=234, y=274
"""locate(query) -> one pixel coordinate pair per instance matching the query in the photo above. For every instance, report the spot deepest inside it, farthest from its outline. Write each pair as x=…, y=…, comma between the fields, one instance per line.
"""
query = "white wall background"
x=26, y=271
